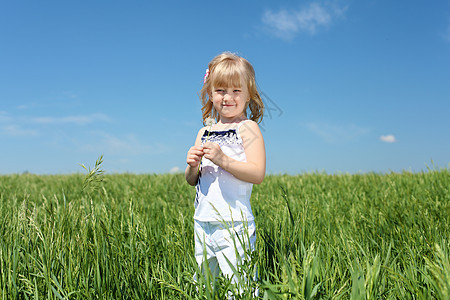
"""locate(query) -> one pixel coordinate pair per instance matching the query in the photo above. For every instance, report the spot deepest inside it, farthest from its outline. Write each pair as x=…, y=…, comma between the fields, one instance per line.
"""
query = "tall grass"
x=320, y=236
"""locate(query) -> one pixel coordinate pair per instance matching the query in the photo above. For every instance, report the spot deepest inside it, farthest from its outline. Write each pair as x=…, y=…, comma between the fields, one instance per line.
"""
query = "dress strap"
x=238, y=130
x=242, y=123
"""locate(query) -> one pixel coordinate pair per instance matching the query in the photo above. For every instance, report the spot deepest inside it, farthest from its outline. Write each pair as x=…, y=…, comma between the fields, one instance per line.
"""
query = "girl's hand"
x=213, y=152
x=194, y=156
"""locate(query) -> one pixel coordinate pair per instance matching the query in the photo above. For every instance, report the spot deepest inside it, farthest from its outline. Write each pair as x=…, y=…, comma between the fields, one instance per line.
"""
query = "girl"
x=226, y=160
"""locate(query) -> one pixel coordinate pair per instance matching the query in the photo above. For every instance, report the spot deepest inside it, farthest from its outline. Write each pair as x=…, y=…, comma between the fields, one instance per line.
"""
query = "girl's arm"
x=194, y=156
x=254, y=169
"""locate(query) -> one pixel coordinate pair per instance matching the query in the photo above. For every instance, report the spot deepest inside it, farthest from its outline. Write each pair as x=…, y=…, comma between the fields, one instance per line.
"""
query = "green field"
x=368, y=236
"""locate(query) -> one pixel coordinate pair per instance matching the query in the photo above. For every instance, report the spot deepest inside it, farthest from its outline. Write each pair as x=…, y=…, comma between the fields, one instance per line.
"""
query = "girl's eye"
x=219, y=90
x=237, y=91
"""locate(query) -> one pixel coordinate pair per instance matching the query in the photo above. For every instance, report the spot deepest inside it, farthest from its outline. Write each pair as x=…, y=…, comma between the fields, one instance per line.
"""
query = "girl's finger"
x=197, y=152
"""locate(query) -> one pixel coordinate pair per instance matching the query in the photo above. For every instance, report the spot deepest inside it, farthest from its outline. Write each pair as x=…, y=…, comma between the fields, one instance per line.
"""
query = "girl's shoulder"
x=249, y=129
x=202, y=130
x=247, y=122
x=248, y=125
x=200, y=133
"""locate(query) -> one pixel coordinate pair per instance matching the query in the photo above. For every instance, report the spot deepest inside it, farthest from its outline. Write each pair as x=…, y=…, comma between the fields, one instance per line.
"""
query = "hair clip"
x=206, y=76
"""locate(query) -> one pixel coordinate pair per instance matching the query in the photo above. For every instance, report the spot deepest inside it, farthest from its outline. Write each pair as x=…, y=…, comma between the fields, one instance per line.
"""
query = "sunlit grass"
x=319, y=236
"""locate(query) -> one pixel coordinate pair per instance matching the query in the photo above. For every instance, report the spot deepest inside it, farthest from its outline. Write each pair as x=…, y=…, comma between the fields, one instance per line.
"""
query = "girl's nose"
x=227, y=96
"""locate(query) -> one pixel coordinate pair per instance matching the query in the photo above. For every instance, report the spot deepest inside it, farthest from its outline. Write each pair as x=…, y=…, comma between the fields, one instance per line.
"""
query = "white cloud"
x=14, y=130
x=78, y=120
x=174, y=170
x=14, y=125
x=4, y=117
x=388, y=138
x=446, y=34
x=332, y=133
x=310, y=19
x=125, y=145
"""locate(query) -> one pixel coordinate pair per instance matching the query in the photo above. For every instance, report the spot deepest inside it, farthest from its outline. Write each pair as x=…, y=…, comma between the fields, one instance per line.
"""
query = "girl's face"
x=230, y=102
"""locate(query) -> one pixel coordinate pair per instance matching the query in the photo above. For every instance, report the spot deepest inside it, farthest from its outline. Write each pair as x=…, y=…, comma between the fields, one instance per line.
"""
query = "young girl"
x=226, y=160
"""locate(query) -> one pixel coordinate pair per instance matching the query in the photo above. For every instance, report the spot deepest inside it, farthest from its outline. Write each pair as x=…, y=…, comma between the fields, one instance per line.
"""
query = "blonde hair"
x=230, y=70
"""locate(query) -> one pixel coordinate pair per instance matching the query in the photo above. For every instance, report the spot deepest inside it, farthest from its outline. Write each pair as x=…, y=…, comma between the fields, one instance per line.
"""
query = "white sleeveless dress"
x=221, y=196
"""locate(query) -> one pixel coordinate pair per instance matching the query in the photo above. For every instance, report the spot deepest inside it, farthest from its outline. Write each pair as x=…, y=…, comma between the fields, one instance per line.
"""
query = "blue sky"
x=349, y=86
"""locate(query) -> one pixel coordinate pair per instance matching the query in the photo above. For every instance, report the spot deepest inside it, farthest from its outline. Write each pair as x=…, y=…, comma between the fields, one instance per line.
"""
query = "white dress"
x=221, y=196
